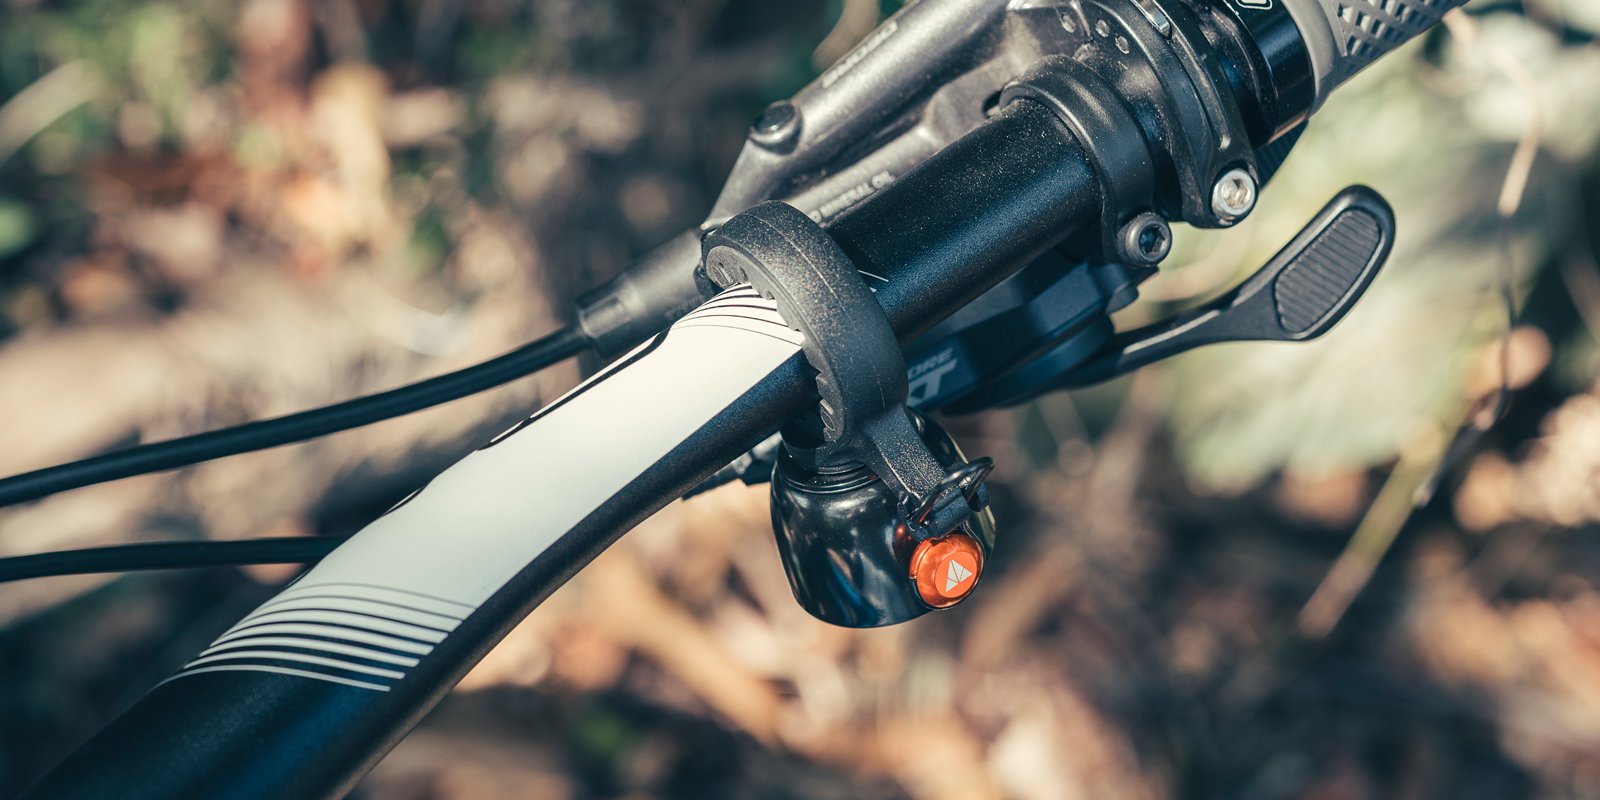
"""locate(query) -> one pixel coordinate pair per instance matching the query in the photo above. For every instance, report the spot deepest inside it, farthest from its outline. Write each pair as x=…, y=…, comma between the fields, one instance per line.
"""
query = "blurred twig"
x=1580, y=272
x=1512, y=190
x=46, y=100
x=632, y=608
x=1373, y=538
x=1423, y=464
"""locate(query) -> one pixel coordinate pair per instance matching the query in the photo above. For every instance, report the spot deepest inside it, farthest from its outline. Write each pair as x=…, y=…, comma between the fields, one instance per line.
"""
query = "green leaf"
x=16, y=226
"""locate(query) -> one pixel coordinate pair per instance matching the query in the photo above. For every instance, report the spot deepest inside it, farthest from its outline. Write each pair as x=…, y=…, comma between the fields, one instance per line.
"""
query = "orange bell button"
x=946, y=570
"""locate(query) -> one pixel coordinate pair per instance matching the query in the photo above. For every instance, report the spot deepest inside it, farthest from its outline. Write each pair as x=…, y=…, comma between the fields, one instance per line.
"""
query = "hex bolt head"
x=777, y=127
x=717, y=270
x=1233, y=195
x=1144, y=240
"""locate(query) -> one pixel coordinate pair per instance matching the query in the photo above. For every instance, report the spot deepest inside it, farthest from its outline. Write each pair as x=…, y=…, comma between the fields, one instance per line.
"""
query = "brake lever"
x=1299, y=295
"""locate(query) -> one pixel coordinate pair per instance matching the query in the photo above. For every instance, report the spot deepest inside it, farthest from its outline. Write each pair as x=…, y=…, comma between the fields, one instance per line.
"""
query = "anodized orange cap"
x=946, y=570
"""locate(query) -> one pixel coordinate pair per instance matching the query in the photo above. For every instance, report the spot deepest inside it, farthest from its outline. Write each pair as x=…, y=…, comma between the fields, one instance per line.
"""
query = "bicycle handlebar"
x=450, y=571
x=284, y=706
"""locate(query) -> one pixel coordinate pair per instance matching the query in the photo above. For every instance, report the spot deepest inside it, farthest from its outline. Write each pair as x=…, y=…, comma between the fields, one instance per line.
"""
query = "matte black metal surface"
x=955, y=366
x=954, y=227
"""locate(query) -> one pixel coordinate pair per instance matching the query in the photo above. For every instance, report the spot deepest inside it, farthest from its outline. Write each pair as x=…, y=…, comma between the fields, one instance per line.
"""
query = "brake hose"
x=298, y=427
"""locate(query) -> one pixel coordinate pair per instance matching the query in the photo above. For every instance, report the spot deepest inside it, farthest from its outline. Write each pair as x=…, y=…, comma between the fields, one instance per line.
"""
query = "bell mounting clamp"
x=861, y=372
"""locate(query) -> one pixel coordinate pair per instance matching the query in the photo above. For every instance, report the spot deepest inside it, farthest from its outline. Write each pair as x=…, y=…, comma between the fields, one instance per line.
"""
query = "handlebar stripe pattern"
x=340, y=625
x=359, y=635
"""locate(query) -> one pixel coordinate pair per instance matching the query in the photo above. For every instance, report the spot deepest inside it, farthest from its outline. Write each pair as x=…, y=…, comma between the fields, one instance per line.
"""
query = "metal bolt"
x=1122, y=44
x=1233, y=195
x=777, y=126
x=717, y=270
x=1067, y=24
x=1145, y=240
x=1101, y=28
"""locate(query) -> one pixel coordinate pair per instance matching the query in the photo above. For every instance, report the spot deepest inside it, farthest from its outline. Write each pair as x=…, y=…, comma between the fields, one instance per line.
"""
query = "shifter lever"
x=1299, y=295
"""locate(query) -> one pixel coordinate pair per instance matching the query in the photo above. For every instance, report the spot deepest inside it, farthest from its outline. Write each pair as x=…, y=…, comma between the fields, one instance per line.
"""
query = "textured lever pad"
x=1327, y=270
x=1369, y=28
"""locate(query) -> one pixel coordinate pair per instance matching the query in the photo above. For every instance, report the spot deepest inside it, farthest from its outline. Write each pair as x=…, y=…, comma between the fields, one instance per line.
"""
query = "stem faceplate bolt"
x=1233, y=196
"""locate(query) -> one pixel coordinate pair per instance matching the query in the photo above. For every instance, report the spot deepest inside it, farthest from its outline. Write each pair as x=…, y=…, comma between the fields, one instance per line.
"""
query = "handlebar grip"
x=1344, y=36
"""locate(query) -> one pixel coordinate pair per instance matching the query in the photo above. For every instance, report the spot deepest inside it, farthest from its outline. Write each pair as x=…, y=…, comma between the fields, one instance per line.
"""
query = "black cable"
x=169, y=555
x=264, y=434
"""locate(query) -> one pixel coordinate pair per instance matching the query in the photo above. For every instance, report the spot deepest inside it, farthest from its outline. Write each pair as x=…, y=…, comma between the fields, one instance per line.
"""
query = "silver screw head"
x=1233, y=195
x=1145, y=240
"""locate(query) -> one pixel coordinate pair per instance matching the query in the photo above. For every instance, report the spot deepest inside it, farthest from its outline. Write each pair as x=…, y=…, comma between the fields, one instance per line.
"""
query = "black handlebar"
x=970, y=215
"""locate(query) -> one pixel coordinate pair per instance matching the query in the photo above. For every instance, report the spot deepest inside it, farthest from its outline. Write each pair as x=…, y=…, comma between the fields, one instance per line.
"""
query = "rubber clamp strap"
x=861, y=372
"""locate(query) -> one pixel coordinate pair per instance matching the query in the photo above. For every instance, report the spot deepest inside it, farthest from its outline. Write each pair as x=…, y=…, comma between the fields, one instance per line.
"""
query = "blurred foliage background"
x=1257, y=572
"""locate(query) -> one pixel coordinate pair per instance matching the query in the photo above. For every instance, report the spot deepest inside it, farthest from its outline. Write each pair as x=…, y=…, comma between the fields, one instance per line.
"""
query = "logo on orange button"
x=946, y=570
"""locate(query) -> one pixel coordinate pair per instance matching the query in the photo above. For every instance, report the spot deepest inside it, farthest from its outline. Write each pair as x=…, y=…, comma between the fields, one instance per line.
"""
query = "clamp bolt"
x=1145, y=240
x=777, y=127
x=1233, y=196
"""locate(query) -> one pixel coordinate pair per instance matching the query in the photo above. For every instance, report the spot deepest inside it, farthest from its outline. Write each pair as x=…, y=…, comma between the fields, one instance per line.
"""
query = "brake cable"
x=169, y=555
x=298, y=427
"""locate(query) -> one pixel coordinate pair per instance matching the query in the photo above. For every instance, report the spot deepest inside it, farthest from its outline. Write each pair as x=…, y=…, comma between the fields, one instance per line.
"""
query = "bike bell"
x=850, y=555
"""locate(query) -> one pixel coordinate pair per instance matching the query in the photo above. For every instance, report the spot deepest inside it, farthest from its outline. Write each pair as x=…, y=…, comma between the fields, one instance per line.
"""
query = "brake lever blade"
x=1299, y=295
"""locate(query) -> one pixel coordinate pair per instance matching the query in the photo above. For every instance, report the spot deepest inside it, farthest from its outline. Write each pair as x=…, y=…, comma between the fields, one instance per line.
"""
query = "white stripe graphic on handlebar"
x=421, y=619
x=313, y=644
x=319, y=599
x=436, y=605
x=285, y=655
x=475, y=526
x=331, y=632
x=346, y=619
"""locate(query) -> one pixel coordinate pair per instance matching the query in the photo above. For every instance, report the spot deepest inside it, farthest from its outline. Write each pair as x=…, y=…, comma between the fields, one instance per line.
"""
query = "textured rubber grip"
x=1368, y=29
x=1343, y=36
